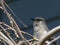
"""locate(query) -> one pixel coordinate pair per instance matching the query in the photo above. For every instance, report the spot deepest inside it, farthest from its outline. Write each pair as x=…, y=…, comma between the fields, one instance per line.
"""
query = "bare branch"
x=49, y=34
x=2, y=36
x=54, y=40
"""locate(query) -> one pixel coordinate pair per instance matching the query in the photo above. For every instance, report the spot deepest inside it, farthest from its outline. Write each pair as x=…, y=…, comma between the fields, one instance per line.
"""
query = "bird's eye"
x=38, y=19
x=36, y=24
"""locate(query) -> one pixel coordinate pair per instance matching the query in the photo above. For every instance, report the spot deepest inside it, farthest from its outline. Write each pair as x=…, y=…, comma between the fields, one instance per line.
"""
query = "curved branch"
x=49, y=34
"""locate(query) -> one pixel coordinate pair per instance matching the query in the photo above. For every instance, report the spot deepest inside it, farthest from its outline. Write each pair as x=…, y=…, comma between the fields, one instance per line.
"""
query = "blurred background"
x=27, y=9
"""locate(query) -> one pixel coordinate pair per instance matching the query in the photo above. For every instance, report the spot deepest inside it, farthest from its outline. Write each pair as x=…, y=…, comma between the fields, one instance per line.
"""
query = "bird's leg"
x=34, y=38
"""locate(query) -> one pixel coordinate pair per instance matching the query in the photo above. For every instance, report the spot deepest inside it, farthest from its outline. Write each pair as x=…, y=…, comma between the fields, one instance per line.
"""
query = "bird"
x=40, y=28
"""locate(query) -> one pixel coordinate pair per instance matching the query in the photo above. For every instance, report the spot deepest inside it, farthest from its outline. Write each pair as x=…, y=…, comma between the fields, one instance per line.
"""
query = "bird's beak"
x=32, y=19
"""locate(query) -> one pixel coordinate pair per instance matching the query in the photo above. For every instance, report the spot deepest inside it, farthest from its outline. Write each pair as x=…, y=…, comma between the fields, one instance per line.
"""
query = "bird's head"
x=38, y=19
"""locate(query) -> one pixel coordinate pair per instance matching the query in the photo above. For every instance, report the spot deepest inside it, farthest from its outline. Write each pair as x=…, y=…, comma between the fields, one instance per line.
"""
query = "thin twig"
x=54, y=40
x=2, y=36
x=27, y=34
x=8, y=35
x=15, y=15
